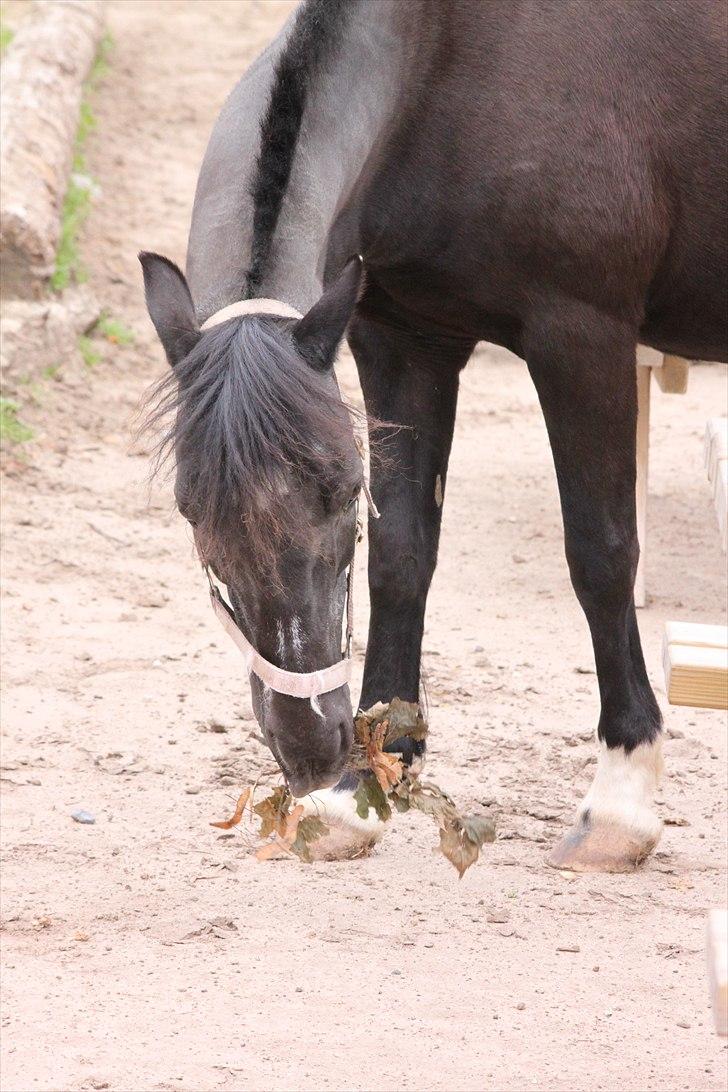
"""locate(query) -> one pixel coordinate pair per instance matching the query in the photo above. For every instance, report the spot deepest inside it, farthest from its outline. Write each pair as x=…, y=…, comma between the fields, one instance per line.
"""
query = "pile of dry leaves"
x=385, y=783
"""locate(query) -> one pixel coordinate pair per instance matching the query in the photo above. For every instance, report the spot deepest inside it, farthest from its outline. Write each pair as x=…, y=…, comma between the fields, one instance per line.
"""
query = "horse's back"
x=556, y=144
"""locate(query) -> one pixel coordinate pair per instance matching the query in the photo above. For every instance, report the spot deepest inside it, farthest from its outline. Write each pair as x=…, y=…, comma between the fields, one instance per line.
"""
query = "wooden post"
x=644, y=375
x=718, y=967
x=672, y=377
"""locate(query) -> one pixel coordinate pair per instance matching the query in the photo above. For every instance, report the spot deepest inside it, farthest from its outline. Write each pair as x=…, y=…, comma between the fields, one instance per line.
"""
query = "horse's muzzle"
x=310, y=741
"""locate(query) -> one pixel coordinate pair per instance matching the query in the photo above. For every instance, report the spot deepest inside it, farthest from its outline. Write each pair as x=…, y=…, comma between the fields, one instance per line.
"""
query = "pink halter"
x=296, y=684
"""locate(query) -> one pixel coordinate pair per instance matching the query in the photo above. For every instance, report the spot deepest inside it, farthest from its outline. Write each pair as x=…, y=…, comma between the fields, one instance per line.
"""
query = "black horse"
x=549, y=175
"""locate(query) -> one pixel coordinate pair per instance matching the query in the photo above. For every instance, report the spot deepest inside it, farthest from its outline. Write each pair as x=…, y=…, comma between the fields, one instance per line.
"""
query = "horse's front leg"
x=583, y=365
x=412, y=385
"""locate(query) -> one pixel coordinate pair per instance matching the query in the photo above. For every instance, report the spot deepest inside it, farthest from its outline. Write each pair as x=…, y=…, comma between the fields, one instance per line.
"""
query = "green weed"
x=89, y=351
x=68, y=263
x=6, y=36
x=114, y=331
x=12, y=429
x=77, y=202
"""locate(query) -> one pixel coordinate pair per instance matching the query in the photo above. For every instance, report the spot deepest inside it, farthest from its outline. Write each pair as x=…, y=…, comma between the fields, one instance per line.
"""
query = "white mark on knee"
x=438, y=491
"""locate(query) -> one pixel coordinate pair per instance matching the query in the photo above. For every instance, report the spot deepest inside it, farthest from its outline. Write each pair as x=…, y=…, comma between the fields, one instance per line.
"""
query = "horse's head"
x=268, y=474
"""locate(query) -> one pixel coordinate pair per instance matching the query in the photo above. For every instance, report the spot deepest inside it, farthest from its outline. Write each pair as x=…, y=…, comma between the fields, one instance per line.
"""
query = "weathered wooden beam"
x=41, y=87
x=718, y=968
x=672, y=377
x=716, y=463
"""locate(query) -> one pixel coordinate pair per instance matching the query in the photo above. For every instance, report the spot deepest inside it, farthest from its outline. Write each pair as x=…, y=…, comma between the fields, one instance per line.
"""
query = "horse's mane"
x=316, y=27
x=245, y=417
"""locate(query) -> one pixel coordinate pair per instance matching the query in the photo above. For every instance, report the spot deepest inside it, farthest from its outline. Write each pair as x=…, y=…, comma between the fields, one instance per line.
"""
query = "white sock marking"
x=339, y=809
x=624, y=787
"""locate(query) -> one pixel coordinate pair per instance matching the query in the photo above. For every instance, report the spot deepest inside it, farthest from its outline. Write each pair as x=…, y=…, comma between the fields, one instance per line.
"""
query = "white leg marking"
x=339, y=809
x=624, y=787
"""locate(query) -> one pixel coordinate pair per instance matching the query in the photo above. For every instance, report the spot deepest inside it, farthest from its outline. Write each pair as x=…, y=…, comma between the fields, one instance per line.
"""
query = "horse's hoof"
x=604, y=846
x=349, y=836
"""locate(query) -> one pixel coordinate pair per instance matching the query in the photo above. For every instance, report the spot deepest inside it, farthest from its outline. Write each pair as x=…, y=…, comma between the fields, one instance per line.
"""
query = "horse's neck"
x=349, y=101
x=349, y=104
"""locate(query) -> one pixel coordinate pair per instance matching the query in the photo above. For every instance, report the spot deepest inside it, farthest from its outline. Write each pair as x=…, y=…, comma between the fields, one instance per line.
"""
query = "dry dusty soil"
x=148, y=951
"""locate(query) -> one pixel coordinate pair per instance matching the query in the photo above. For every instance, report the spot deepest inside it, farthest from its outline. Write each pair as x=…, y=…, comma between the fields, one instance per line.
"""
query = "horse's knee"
x=398, y=574
x=603, y=566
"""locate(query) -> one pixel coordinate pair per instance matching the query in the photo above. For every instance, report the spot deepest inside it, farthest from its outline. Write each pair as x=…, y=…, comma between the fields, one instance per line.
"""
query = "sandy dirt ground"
x=148, y=951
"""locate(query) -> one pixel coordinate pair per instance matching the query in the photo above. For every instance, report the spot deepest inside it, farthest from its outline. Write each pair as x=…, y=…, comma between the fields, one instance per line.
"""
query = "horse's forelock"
x=245, y=418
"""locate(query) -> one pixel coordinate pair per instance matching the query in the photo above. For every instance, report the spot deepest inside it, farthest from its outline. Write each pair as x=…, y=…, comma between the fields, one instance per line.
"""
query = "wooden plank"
x=672, y=377
x=716, y=444
x=718, y=968
x=720, y=496
x=643, y=455
x=649, y=358
x=697, y=634
x=696, y=676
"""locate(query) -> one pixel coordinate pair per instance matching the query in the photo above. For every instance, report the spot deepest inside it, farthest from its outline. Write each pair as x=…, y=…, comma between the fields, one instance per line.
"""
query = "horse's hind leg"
x=583, y=365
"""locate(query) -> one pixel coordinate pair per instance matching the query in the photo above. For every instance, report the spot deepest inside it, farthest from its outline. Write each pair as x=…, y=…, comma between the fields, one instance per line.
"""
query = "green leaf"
x=479, y=829
x=309, y=830
x=458, y=848
x=370, y=795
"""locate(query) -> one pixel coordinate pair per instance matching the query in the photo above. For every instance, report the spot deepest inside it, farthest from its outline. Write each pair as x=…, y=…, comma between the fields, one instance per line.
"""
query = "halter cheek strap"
x=296, y=684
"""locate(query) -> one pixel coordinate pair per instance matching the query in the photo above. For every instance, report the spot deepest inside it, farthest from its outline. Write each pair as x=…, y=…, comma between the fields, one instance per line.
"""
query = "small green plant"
x=12, y=429
x=75, y=210
x=89, y=351
x=6, y=36
x=114, y=331
x=77, y=202
x=51, y=371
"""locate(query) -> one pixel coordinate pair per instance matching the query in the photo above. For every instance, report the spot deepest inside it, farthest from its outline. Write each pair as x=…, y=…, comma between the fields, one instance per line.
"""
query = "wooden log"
x=41, y=86
x=718, y=968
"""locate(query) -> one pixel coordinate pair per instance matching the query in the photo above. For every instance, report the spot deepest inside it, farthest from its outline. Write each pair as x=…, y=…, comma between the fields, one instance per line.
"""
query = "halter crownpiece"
x=251, y=307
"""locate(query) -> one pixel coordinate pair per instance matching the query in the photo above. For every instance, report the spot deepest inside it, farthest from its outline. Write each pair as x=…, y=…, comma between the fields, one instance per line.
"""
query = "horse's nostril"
x=344, y=735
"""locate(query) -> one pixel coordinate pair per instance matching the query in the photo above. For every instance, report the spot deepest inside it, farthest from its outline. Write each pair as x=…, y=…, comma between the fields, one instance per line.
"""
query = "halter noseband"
x=296, y=684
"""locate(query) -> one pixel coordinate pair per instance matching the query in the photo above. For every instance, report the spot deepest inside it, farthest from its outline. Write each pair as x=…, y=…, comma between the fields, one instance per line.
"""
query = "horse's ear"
x=170, y=306
x=319, y=332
